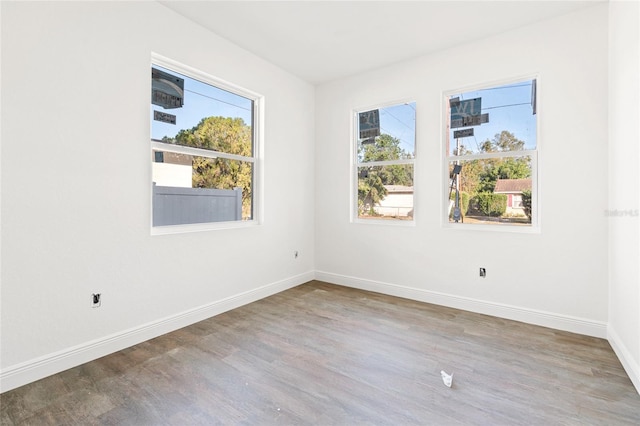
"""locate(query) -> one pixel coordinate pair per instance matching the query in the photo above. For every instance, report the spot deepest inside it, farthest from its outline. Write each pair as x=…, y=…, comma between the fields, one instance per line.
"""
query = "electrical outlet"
x=483, y=272
x=96, y=300
x=295, y=254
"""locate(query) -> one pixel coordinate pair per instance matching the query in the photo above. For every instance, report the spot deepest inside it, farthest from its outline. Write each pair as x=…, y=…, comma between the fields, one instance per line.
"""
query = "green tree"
x=470, y=174
x=385, y=147
x=501, y=168
x=370, y=190
x=526, y=202
x=491, y=204
x=503, y=141
x=372, y=179
x=223, y=134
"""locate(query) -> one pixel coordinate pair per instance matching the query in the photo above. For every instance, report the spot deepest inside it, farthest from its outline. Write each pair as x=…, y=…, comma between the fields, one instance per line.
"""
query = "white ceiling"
x=324, y=40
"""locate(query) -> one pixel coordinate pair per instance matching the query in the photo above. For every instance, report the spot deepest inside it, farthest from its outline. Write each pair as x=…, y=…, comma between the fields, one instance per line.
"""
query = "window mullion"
x=499, y=154
x=385, y=163
x=181, y=149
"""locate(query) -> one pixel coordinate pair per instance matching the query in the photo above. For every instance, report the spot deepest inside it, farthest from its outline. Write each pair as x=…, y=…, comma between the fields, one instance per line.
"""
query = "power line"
x=475, y=139
x=505, y=106
x=409, y=144
x=216, y=99
x=400, y=121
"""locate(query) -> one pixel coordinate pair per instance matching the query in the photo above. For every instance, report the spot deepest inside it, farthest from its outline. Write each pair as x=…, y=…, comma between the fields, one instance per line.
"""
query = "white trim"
x=202, y=227
x=516, y=313
x=518, y=229
x=488, y=155
x=498, y=82
x=197, y=152
x=201, y=76
x=630, y=365
x=385, y=222
x=38, y=368
x=410, y=161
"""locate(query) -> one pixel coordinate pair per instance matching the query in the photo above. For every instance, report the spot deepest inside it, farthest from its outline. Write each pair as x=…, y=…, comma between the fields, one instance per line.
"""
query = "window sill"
x=517, y=229
x=388, y=222
x=202, y=227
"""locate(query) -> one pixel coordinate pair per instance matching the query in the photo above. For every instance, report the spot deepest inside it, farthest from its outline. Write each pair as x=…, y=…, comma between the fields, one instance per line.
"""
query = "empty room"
x=320, y=212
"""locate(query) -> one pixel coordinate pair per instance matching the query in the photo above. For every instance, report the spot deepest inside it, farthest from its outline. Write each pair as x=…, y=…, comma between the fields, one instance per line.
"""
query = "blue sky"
x=509, y=108
x=399, y=121
x=200, y=100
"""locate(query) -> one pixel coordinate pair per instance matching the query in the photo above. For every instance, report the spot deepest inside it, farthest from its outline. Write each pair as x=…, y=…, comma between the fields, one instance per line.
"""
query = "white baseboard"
x=30, y=371
x=529, y=316
x=630, y=365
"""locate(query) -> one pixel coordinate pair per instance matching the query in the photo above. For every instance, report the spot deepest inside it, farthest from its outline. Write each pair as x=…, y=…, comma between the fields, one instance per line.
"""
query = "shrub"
x=491, y=204
x=526, y=202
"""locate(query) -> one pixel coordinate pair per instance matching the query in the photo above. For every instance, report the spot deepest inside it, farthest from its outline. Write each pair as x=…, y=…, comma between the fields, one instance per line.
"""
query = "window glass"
x=203, y=151
x=492, y=191
x=491, y=147
x=385, y=153
x=379, y=198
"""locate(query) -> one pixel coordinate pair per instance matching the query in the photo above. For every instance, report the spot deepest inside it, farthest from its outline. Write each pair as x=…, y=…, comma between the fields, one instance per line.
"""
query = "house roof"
x=512, y=185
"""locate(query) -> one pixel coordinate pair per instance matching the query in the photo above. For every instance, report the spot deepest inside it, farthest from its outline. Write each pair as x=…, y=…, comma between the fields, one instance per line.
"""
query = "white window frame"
x=534, y=227
x=256, y=159
x=355, y=127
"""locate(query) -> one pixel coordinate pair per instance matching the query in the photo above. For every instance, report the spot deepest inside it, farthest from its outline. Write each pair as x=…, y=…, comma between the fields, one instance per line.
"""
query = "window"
x=384, y=163
x=203, y=149
x=516, y=201
x=491, y=155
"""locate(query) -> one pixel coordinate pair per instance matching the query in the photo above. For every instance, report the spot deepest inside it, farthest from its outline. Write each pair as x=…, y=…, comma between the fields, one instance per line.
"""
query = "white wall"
x=75, y=190
x=76, y=186
x=624, y=185
x=556, y=278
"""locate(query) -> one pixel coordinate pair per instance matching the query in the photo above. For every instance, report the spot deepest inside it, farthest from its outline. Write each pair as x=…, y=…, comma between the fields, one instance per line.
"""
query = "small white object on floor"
x=447, y=378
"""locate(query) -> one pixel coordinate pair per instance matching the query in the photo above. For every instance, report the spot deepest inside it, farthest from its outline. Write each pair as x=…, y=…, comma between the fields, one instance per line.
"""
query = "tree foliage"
x=503, y=141
x=526, y=202
x=227, y=135
x=492, y=204
x=479, y=176
x=372, y=179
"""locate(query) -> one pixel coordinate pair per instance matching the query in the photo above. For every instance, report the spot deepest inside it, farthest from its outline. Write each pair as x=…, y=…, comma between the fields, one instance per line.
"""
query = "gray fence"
x=178, y=206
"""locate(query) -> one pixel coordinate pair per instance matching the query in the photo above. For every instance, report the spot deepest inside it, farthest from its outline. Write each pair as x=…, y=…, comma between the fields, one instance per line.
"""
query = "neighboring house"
x=171, y=169
x=513, y=189
x=397, y=203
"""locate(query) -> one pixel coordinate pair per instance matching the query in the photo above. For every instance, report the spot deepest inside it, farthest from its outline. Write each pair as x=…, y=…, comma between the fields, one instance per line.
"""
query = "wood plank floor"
x=320, y=354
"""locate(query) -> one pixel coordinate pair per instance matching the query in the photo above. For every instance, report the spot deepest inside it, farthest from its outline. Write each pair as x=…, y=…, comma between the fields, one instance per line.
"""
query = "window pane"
x=195, y=186
x=192, y=189
x=501, y=118
x=188, y=112
x=385, y=192
x=491, y=191
x=387, y=133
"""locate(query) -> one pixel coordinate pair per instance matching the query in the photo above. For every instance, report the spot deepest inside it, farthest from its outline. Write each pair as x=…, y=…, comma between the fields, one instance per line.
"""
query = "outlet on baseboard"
x=96, y=300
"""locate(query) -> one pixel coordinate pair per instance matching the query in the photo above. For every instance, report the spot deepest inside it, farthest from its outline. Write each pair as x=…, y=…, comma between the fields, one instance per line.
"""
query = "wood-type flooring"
x=320, y=354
